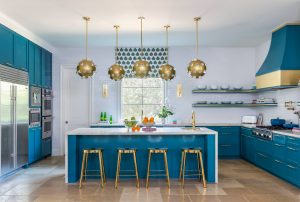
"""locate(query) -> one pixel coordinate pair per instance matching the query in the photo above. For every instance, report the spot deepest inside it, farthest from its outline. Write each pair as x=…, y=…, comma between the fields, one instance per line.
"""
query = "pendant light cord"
x=167, y=41
x=86, y=35
x=142, y=51
x=117, y=41
x=197, y=33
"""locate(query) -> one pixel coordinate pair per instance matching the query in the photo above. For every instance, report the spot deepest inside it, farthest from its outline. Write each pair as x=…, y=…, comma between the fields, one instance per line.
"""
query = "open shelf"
x=236, y=105
x=226, y=91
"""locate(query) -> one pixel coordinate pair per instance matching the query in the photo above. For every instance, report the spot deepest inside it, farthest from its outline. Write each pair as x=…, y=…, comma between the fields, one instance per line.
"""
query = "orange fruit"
x=145, y=121
x=151, y=120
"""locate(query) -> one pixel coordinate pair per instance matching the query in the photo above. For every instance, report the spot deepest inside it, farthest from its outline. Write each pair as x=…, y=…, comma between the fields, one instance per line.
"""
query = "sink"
x=191, y=129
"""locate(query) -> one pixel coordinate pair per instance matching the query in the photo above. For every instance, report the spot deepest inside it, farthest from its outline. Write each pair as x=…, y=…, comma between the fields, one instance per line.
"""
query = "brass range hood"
x=281, y=67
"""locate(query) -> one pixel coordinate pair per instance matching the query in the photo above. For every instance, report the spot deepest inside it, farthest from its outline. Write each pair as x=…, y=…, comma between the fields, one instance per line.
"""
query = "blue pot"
x=277, y=122
x=290, y=125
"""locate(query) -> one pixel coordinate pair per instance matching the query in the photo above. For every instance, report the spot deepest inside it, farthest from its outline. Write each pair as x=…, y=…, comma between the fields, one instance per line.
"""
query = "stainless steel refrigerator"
x=14, y=111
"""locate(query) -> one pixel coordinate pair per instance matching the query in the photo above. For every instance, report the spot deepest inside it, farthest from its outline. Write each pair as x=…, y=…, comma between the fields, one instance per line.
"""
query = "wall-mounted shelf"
x=226, y=91
x=236, y=105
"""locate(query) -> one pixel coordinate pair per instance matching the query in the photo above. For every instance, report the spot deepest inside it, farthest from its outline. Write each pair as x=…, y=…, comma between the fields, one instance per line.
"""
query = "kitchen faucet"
x=298, y=114
x=193, y=120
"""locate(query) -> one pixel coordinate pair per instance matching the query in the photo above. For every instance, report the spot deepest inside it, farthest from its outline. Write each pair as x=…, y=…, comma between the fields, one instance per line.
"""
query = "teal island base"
x=76, y=143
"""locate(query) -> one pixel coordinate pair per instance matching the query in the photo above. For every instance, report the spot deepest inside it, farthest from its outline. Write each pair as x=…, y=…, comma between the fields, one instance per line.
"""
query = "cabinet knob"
x=67, y=122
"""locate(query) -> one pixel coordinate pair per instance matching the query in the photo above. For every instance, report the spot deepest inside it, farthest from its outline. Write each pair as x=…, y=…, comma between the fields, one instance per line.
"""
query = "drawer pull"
x=262, y=155
x=292, y=167
x=279, y=145
x=8, y=64
x=291, y=138
x=290, y=148
x=278, y=161
x=226, y=145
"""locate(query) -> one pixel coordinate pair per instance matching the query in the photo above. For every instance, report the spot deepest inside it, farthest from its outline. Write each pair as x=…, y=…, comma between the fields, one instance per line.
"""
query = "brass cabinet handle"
x=279, y=145
x=262, y=155
x=292, y=167
x=278, y=161
x=290, y=148
x=226, y=145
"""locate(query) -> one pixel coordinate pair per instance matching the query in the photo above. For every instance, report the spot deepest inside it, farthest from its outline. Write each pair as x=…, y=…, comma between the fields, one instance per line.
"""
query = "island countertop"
x=159, y=131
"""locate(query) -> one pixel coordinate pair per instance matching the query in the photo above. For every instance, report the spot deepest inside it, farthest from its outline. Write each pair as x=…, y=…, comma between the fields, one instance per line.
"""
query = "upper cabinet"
x=46, y=69
x=20, y=53
x=6, y=46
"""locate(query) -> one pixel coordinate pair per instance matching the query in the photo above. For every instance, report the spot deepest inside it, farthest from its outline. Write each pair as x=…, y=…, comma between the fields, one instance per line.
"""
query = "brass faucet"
x=193, y=120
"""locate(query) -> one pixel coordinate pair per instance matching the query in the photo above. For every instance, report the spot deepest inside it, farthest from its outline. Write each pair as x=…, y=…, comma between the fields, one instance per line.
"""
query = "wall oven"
x=46, y=127
x=35, y=96
x=34, y=117
x=46, y=102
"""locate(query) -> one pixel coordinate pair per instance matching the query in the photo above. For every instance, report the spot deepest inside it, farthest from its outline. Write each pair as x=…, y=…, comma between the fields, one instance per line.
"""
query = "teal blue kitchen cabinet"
x=247, y=144
x=46, y=69
x=229, y=141
x=20, y=52
x=46, y=147
x=31, y=63
x=38, y=66
x=263, y=154
x=34, y=144
x=13, y=49
x=6, y=46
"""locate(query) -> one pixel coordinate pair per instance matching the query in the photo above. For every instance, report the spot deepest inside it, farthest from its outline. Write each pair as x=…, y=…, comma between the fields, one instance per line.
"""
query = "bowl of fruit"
x=148, y=122
x=129, y=124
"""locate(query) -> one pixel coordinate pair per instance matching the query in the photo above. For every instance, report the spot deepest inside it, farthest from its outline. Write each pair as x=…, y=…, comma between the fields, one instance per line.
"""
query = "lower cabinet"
x=280, y=156
x=229, y=141
x=46, y=147
x=34, y=144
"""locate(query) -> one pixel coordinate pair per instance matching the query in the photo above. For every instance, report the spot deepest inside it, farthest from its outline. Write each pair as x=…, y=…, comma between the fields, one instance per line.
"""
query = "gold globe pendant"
x=116, y=72
x=141, y=69
x=86, y=68
x=197, y=68
x=167, y=72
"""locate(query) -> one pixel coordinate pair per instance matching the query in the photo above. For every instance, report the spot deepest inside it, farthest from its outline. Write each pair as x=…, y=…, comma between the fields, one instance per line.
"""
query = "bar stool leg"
x=136, y=170
x=148, y=170
x=118, y=169
x=198, y=163
x=183, y=172
x=202, y=170
x=167, y=169
x=181, y=161
x=86, y=164
x=82, y=170
x=101, y=168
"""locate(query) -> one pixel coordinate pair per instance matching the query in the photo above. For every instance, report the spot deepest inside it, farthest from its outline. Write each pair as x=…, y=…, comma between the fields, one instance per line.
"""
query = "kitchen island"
x=112, y=138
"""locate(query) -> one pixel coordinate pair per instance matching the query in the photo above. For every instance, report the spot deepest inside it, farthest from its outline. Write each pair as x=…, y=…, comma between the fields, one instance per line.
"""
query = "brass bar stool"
x=182, y=174
x=158, y=151
x=84, y=164
x=127, y=151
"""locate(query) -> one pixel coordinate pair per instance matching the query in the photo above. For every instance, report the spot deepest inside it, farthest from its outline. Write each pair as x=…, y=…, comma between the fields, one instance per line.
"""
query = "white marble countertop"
x=175, y=125
x=123, y=131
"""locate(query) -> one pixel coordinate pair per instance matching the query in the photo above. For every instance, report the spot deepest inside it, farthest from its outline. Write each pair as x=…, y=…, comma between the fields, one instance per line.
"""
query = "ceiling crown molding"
x=15, y=26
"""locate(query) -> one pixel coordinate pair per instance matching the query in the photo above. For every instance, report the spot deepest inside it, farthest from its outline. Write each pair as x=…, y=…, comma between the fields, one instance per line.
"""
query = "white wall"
x=229, y=66
x=280, y=95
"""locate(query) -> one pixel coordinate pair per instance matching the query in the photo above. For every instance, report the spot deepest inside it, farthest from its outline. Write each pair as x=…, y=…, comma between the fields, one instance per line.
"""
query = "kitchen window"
x=139, y=95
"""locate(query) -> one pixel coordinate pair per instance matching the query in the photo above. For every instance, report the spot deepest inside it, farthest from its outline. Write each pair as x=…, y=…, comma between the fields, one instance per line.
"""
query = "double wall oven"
x=47, y=104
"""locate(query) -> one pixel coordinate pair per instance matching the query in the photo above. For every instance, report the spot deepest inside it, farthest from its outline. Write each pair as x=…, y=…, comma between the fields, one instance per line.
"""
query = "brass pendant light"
x=116, y=72
x=197, y=68
x=141, y=68
x=86, y=68
x=167, y=71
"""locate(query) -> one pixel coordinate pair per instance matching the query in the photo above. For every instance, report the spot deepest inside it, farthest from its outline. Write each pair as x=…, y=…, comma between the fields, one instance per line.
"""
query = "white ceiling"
x=224, y=22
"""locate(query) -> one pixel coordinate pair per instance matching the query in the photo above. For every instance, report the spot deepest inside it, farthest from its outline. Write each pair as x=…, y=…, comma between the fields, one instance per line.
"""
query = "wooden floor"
x=239, y=181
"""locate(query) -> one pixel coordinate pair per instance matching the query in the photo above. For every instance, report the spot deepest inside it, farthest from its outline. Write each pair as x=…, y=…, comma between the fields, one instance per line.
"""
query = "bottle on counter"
x=104, y=116
x=101, y=116
x=110, y=119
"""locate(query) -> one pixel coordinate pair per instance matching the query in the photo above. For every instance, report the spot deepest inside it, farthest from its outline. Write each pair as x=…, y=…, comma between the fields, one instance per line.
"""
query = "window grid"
x=141, y=106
